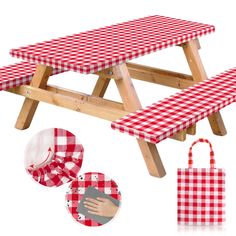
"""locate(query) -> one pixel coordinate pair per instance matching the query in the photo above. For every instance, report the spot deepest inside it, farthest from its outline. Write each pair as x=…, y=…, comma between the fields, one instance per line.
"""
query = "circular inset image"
x=93, y=199
x=53, y=157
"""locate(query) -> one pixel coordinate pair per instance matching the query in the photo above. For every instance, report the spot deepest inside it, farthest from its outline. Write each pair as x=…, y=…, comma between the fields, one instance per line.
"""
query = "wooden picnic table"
x=105, y=52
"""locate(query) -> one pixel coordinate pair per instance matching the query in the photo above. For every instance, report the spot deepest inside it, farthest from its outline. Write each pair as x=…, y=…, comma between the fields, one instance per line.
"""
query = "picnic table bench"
x=181, y=110
x=12, y=76
x=106, y=52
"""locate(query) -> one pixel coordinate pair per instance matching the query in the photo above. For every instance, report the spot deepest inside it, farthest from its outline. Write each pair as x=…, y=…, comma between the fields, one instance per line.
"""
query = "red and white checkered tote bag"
x=201, y=193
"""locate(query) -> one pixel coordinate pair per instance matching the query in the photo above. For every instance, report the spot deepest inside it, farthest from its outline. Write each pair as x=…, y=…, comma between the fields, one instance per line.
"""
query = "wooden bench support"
x=29, y=107
x=159, y=76
x=85, y=97
x=155, y=75
x=192, y=55
x=72, y=100
x=132, y=103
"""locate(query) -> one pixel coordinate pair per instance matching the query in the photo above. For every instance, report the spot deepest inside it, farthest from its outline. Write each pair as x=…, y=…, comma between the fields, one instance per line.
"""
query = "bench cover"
x=175, y=113
x=18, y=74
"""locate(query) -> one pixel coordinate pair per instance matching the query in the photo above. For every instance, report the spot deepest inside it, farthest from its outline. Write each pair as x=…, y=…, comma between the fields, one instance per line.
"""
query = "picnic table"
x=106, y=52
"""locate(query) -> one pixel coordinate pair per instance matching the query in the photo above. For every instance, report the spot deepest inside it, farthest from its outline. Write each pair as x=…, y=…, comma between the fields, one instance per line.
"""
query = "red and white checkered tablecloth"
x=168, y=116
x=19, y=74
x=65, y=164
x=78, y=187
x=98, y=49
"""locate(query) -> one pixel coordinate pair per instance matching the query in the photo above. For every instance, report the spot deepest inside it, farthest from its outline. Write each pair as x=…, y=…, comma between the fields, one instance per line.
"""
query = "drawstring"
x=58, y=164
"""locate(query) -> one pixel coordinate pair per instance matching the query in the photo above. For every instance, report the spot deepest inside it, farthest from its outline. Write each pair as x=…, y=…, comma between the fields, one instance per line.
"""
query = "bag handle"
x=190, y=154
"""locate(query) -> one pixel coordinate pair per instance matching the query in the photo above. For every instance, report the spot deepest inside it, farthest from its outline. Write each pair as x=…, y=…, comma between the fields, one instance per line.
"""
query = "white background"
x=149, y=204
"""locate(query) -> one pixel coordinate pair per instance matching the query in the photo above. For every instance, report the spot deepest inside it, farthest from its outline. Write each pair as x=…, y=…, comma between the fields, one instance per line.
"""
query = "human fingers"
x=95, y=201
x=91, y=208
x=102, y=199
x=90, y=204
x=95, y=213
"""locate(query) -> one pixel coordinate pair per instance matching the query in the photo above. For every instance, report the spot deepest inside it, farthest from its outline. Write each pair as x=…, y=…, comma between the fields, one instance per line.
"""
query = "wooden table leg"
x=101, y=86
x=192, y=55
x=131, y=103
x=29, y=107
x=152, y=158
x=192, y=129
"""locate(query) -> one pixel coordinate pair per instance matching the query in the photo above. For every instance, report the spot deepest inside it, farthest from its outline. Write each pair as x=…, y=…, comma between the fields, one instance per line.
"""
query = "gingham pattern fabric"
x=94, y=50
x=201, y=195
x=78, y=187
x=66, y=144
x=66, y=162
x=175, y=113
x=19, y=74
